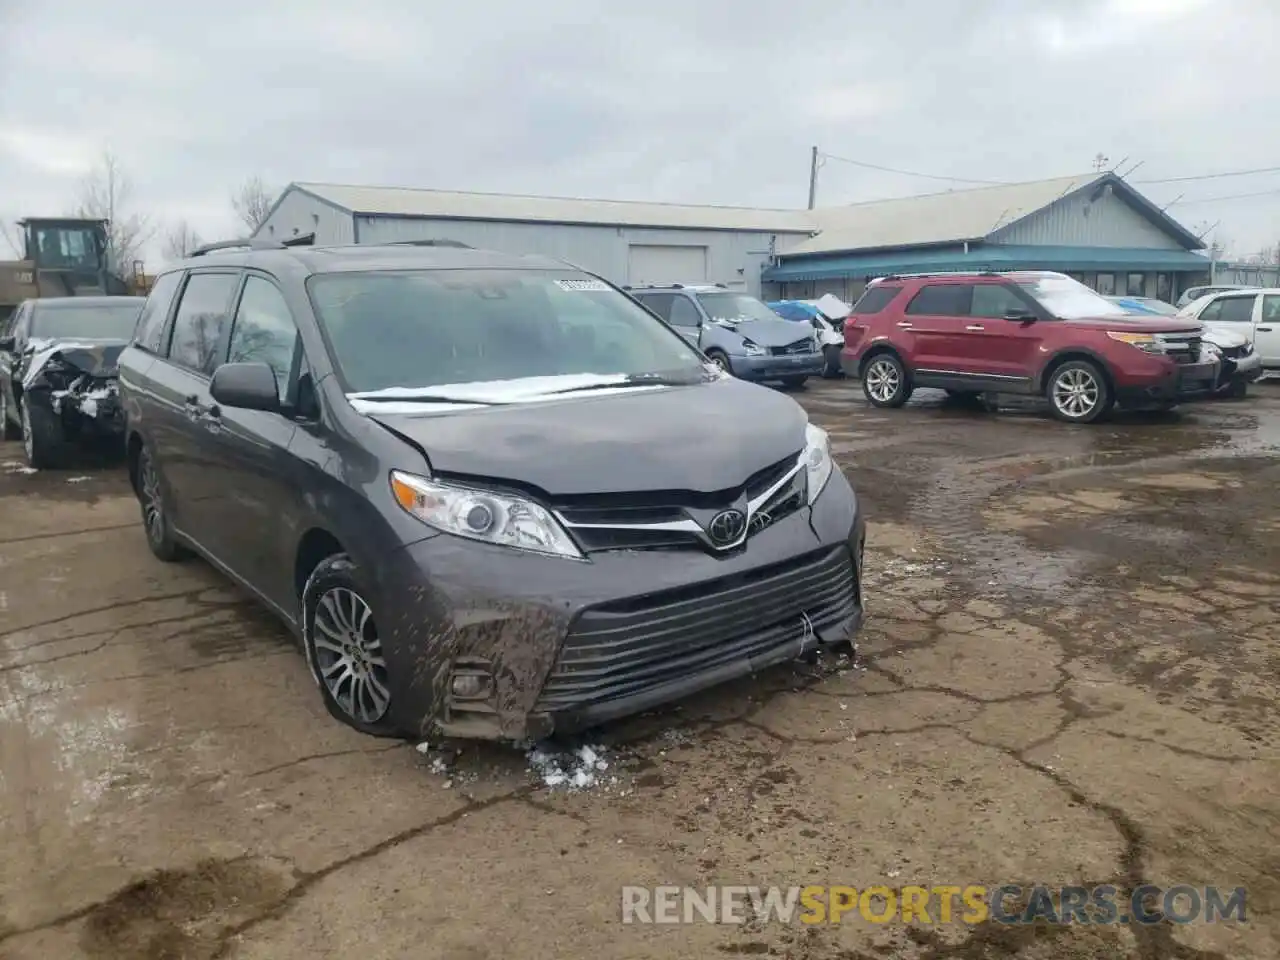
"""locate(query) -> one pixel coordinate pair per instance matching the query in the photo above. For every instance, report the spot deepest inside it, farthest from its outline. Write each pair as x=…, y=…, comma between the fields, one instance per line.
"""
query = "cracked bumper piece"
x=769, y=367
x=561, y=645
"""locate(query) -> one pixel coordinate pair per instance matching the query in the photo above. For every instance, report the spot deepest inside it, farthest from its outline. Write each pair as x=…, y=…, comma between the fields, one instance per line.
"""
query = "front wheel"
x=1238, y=390
x=794, y=383
x=720, y=359
x=1078, y=392
x=9, y=430
x=344, y=647
x=884, y=381
x=43, y=440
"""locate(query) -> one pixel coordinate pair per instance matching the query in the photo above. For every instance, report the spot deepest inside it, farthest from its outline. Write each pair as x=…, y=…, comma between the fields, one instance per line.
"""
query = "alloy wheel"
x=152, y=504
x=883, y=380
x=348, y=655
x=720, y=362
x=1076, y=392
x=28, y=439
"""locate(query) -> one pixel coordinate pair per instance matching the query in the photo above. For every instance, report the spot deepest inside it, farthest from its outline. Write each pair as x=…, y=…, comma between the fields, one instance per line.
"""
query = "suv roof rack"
x=675, y=286
x=940, y=273
x=254, y=243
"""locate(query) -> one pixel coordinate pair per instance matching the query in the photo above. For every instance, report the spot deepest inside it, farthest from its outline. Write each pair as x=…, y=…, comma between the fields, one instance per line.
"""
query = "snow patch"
x=78, y=479
x=574, y=769
x=13, y=466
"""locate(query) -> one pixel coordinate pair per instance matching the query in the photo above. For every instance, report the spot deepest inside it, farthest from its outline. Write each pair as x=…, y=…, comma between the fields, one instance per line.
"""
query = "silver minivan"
x=736, y=331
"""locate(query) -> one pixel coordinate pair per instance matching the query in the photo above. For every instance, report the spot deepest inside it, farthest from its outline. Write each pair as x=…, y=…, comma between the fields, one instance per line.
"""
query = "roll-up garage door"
x=655, y=264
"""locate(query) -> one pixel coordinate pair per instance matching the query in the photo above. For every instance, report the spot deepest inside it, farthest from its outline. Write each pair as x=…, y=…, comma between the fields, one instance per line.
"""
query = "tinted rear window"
x=941, y=299
x=113, y=321
x=874, y=299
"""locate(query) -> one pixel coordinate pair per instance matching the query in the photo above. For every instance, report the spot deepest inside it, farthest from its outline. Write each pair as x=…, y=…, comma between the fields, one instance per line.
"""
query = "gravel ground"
x=1069, y=675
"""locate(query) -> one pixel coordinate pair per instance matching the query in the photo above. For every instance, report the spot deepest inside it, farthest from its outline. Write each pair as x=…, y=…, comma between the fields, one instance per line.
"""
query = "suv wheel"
x=344, y=648
x=155, y=519
x=42, y=436
x=8, y=429
x=884, y=381
x=1078, y=392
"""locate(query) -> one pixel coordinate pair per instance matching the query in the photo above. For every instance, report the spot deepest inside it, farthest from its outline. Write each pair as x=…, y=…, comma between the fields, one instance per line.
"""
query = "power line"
x=1213, y=176
x=1234, y=196
x=911, y=173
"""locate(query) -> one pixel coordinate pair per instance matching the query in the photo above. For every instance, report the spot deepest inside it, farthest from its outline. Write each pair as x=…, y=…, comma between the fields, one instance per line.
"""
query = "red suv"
x=1035, y=333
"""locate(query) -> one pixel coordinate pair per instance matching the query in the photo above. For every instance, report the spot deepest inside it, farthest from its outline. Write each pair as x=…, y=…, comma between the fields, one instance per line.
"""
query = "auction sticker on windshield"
x=584, y=286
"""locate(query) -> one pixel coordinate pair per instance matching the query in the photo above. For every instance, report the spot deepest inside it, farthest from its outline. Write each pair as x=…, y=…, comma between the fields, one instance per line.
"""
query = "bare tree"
x=106, y=193
x=179, y=240
x=252, y=202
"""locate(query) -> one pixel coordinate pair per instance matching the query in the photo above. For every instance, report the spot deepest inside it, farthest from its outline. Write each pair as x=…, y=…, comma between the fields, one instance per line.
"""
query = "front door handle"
x=975, y=326
x=904, y=323
x=1264, y=329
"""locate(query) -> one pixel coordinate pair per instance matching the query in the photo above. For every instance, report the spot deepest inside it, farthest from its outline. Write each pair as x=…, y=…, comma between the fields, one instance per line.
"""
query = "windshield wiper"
x=635, y=380
x=429, y=398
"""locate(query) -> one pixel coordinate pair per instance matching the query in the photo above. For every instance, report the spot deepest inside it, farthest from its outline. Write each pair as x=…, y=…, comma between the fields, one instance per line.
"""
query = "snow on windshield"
x=1069, y=299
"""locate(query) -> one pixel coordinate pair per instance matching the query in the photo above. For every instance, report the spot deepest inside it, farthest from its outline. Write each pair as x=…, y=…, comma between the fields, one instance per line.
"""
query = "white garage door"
x=652, y=264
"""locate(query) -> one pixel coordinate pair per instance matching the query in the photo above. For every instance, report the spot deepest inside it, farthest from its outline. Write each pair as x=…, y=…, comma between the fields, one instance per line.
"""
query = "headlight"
x=480, y=515
x=1211, y=350
x=752, y=349
x=1143, y=341
x=816, y=459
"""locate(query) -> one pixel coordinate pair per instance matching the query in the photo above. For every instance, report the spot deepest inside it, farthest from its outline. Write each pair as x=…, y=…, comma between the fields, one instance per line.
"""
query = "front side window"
x=115, y=321
x=684, y=313
x=1235, y=310
x=201, y=320
x=431, y=328
x=263, y=331
x=995, y=301
x=733, y=307
x=1067, y=299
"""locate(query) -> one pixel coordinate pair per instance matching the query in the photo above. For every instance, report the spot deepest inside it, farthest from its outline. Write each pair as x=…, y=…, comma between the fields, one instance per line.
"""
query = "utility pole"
x=813, y=175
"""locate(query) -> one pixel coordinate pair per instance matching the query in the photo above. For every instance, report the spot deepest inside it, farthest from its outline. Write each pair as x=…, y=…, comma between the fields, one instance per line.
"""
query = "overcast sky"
x=704, y=101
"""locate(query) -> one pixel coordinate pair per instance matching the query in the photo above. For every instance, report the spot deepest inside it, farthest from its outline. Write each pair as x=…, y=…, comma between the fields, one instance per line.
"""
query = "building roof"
x=993, y=256
x=454, y=205
x=958, y=216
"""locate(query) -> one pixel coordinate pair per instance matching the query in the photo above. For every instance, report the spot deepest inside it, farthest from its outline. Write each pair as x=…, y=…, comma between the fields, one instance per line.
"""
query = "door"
x=1233, y=312
x=180, y=401
x=255, y=492
x=995, y=347
x=662, y=265
x=686, y=319
x=1267, y=332
x=933, y=324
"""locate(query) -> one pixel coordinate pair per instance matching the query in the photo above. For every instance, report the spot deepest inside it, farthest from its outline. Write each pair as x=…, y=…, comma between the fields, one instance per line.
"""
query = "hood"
x=1145, y=324
x=1222, y=336
x=97, y=358
x=702, y=438
x=770, y=333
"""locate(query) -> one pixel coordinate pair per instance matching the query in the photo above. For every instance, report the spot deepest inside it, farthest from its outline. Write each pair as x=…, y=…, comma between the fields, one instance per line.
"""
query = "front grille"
x=1182, y=347
x=792, y=349
x=623, y=648
x=616, y=516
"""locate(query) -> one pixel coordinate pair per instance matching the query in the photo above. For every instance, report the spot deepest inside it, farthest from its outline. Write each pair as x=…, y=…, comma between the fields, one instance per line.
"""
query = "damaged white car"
x=58, y=373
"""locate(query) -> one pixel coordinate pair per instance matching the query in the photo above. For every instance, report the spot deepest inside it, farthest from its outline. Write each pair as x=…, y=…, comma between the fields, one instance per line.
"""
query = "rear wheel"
x=794, y=383
x=1078, y=392
x=155, y=517
x=884, y=381
x=1238, y=390
x=43, y=440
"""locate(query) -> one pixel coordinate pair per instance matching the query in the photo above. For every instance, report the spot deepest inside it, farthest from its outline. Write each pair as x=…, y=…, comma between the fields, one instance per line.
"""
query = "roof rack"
x=940, y=273
x=253, y=243
x=442, y=242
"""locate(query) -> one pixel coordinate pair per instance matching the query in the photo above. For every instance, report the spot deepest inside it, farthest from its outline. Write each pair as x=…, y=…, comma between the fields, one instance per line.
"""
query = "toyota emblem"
x=727, y=527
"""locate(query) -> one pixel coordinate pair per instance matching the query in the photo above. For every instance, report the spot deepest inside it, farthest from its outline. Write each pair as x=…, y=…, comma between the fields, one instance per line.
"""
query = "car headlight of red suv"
x=1145, y=342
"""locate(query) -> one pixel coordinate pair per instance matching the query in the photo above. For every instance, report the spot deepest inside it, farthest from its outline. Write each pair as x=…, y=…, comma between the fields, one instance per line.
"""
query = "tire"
x=1078, y=392
x=344, y=652
x=794, y=383
x=1238, y=390
x=833, y=370
x=721, y=360
x=43, y=440
x=10, y=429
x=155, y=518
x=885, y=382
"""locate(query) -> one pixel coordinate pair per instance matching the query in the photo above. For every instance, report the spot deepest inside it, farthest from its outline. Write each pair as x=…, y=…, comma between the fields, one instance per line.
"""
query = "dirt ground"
x=1069, y=675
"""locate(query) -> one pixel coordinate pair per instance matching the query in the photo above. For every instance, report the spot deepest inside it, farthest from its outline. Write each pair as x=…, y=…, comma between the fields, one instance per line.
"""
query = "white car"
x=1195, y=293
x=1255, y=314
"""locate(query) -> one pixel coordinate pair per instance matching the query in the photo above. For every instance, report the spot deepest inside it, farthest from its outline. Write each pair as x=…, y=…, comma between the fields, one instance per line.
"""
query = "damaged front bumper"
x=486, y=642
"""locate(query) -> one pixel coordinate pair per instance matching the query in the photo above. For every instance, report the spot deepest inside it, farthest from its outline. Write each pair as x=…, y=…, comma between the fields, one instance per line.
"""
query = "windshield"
x=1069, y=299
x=430, y=328
x=735, y=307
x=89, y=322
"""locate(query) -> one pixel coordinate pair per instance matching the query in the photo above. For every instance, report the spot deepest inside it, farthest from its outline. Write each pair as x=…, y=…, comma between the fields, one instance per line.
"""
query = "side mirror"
x=1019, y=314
x=249, y=386
x=7, y=343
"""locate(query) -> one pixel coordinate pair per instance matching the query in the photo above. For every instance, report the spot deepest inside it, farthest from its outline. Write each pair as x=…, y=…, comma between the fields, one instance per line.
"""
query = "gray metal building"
x=1095, y=226
x=628, y=243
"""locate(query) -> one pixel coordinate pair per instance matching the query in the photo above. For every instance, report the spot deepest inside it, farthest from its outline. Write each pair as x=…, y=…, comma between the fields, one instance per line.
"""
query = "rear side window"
x=201, y=320
x=659, y=303
x=874, y=299
x=1236, y=310
x=941, y=299
x=155, y=311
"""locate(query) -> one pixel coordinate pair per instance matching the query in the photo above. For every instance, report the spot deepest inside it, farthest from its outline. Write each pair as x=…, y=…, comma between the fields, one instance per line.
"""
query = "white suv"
x=1253, y=313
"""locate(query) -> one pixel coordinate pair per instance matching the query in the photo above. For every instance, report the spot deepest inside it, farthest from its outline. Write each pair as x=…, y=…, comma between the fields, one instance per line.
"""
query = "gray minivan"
x=736, y=331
